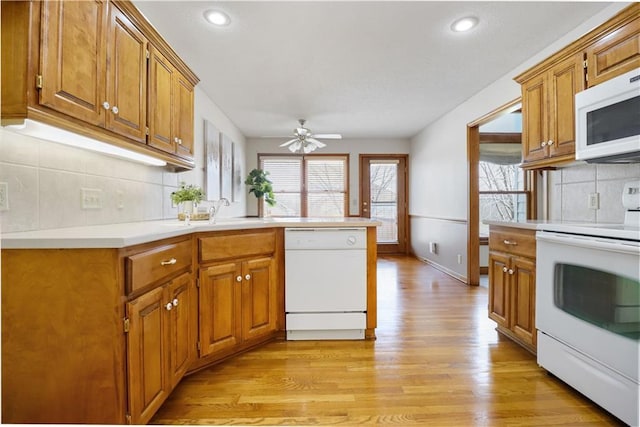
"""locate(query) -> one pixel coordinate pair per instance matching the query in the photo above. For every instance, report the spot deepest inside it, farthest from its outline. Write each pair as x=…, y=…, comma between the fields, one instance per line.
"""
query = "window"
x=502, y=184
x=307, y=186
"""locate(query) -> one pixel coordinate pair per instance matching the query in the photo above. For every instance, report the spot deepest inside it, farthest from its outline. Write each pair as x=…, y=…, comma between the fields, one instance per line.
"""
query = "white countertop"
x=528, y=225
x=134, y=233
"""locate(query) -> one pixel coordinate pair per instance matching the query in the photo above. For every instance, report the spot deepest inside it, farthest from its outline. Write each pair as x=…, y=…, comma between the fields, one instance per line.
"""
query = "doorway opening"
x=498, y=188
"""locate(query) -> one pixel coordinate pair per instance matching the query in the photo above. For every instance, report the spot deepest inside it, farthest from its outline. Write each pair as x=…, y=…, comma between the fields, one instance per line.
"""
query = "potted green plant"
x=187, y=196
x=260, y=186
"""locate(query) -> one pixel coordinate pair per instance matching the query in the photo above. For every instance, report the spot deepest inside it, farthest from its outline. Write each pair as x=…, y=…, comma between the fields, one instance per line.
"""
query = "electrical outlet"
x=594, y=201
x=459, y=259
x=91, y=198
x=4, y=196
x=433, y=247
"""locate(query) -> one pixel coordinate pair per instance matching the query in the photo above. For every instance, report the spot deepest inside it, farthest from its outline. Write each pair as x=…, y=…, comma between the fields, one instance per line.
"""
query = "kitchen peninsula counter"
x=134, y=233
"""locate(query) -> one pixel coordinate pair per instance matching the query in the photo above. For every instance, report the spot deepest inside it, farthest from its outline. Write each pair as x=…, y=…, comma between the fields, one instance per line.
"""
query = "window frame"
x=303, y=188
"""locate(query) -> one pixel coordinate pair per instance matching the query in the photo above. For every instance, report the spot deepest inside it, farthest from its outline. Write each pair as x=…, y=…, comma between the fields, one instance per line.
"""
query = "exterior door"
x=383, y=196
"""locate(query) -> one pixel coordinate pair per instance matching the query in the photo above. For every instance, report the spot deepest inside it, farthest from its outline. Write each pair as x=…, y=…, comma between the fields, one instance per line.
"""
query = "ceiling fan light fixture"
x=464, y=24
x=217, y=18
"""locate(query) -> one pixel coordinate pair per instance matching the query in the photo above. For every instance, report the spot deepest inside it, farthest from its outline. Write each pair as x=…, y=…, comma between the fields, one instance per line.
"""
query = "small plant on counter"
x=187, y=193
x=260, y=186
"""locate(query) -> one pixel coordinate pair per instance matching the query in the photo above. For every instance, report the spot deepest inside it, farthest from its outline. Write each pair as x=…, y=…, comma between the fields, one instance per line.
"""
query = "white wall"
x=45, y=180
x=353, y=147
x=438, y=163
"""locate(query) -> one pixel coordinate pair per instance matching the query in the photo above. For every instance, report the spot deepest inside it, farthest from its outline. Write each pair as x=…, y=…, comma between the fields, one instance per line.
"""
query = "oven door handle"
x=622, y=246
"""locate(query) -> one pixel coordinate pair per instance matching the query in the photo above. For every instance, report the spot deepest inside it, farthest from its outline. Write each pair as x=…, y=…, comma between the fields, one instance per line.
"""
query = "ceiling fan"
x=305, y=141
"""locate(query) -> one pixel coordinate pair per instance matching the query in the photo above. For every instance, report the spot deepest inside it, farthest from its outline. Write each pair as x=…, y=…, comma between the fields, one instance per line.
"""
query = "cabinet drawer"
x=156, y=264
x=513, y=241
x=225, y=246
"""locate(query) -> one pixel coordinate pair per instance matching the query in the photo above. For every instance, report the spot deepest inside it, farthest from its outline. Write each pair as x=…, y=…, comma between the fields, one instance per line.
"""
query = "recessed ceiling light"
x=217, y=17
x=464, y=24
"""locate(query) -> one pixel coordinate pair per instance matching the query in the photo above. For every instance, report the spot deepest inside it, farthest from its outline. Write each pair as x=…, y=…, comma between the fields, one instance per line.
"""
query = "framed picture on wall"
x=226, y=181
x=212, y=170
x=238, y=185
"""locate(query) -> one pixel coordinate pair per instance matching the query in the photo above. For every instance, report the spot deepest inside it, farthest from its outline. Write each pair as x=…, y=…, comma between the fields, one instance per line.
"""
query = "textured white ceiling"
x=364, y=69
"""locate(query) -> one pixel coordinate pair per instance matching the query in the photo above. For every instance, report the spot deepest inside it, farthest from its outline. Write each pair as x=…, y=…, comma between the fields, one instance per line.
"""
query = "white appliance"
x=325, y=283
x=588, y=308
x=608, y=121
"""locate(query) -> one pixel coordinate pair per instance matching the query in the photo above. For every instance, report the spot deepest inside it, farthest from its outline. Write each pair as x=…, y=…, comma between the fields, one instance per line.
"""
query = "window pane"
x=326, y=204
x=326, y=174
x=384, y=199
x=287, y=204
x=286, y=174
x=502, y=207
x=494, y=177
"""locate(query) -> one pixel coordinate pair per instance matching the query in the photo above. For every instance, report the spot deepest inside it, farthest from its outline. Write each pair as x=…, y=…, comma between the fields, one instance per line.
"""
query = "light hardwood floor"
x=437, y=361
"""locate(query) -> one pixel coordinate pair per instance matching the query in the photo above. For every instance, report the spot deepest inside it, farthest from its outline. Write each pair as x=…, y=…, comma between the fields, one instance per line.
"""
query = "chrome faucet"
x=215, y=209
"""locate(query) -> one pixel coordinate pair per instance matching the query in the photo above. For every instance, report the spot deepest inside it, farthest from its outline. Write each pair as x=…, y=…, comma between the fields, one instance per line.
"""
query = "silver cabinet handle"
x=510, y=271
x=175, y=302
x=169, y=306
x=504, y=269
x=239, y=279
x=115, y=110
x=510, y=242
x=247, y=277
x=170, y=262
x=106, y=105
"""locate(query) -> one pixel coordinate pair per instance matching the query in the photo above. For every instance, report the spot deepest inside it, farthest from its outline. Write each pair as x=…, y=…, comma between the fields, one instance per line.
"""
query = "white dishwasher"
x=325, y=283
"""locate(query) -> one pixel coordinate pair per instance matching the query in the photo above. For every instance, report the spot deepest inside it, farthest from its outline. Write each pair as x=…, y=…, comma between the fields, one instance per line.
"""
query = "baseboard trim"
x=444, y=269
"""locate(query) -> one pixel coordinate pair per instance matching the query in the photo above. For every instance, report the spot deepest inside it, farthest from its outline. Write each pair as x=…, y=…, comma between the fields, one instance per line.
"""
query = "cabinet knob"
x=504, y=269
x=175, y=302
x=170, y=262
x=543, y=144
x=247, y=277
x=115, y=109
x=364, y=210
x=169, y=306
x=510, y=271
x=106, y=105
x=550, y=143
x=175, y=139
x=179, y=141
x=510, y=242
x=239, y=279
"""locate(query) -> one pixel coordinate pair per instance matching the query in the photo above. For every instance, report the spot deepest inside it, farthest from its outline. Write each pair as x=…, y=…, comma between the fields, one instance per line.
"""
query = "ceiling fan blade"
x=288, y=142
x=327, y=135
x=319, y=144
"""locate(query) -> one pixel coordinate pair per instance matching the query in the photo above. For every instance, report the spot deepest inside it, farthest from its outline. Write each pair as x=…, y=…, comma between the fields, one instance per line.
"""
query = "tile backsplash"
x=45, y=181
x=570, y=188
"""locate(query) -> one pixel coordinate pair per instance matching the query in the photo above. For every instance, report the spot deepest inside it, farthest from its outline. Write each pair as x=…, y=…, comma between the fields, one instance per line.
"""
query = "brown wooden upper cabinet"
x=96, y=62
x=549, y=88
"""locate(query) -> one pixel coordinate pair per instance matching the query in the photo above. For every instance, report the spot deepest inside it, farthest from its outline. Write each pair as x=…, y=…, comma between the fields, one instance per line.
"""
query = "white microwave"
x=608, y=121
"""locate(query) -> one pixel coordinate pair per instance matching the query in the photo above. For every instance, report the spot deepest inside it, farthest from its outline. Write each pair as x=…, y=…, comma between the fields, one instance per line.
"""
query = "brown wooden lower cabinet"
x=512, y=283
x=160, y=345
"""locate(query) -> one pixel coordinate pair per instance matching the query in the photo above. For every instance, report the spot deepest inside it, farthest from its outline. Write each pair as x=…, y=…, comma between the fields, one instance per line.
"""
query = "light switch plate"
x=91, y=198
x=594, y=201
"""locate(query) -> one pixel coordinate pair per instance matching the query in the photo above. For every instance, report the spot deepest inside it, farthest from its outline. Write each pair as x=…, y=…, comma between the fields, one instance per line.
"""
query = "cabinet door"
x=219, y=307
x=259, y=303
x=181, y=326
x=498, y=289
x=73, y=58
x=565, y=80
x=183, y=116
x=160, y=102
x=534, y=119
x=523, y=297
x=147, y=344
x=126, y=78
x=615, y=53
